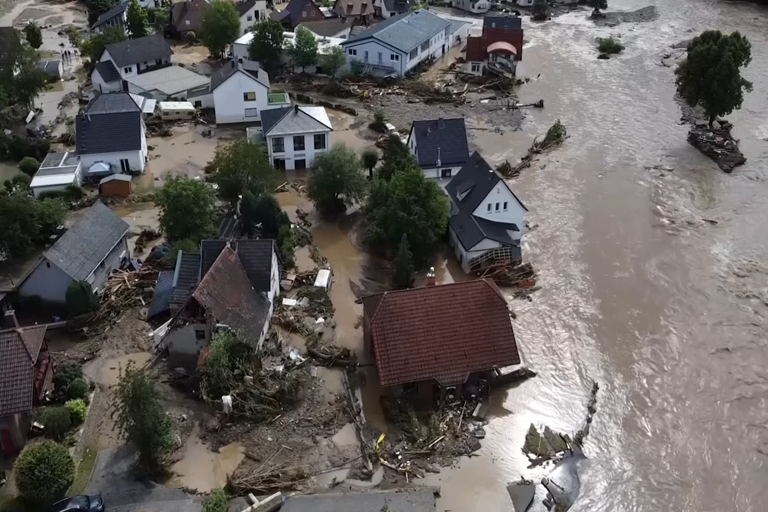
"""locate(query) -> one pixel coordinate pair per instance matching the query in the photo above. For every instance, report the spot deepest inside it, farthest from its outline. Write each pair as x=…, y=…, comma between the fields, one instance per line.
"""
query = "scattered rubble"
x=556, y=135
x=511, y=274
x=146, y=236
x=612, y=19
x=717, y=144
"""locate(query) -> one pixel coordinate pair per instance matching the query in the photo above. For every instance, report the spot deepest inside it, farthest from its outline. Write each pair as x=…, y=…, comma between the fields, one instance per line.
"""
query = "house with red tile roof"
x=439, y=341
x=498, y=49
x=26, y=375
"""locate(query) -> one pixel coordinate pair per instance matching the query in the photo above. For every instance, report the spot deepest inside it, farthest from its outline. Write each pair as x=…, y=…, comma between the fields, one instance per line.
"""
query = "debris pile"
x=146, y=236
x=556, y=135
x=717, y=144
x=511, y=274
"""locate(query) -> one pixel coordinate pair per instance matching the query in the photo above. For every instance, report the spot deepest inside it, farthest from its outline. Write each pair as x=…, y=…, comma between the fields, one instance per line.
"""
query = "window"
x=445, y=173
x=413, y=53
x=304, y=13
x=48, y=264
x=425, y=46
x=320, y=141
x=489, y=207
x=394, y=56
x=497, y=206
x=298, y=143
x=365, y=55
x=381, y=58
x=301, y=163
x=505, y=206
x=352, y=51
x=475, y=67
x=128, y=69
x=279, y=163
x=125, y=166
x=278, y=145
x=249, y=96
x=251, y=112
x=198, y=104
x=249, y=18
x=199, y=334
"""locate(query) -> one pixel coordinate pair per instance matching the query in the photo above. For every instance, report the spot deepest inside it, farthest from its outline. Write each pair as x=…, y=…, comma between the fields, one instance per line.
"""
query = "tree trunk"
x=712, y=120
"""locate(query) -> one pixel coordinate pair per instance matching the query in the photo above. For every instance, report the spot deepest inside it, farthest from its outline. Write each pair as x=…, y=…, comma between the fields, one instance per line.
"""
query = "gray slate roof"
x=270, y=118
x=291, y=120
x=395, y=500
x=449, y=136
x=117, y=10
x=244, y=7
x=108, y=71
x=405, y=31
x=399, y=6
x=186, y=275
x=230, y=69
x=162, y=295
x=255, y=256
x=143, y=49
x=327, y=28
x=111, y=103
x=111, y=123
x=85, y=245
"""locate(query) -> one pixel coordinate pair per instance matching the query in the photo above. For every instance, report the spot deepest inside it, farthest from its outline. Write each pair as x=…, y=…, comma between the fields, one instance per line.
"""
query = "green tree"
x=76, y=410
x=27, y=80
x=540, y=10
x=33, y=34
x=303, y=51
x=75, y=37
x=239, y=166
x=227, y=356
x=25, y=222
x=142, y=418
x=81, y=299
x=263, y=210
x=56, y=420
x=220, y=27
x=286, y=244
x=267, y=44
x=333, y=61
x=396, y=157
x=335, y=181
x=49, y=215
x=597, y=5
x=137, y=21
x=187, y=210
x=158, y=17
x=216, y=501
x=44, y=471
x=63, y=377
x=404, y=272
x=411, y=205
x=370, y=158
x=609, y=45
x=94, y=46
x=18, y=185
x=710, y=76
x=77, y=389
x=379, y=120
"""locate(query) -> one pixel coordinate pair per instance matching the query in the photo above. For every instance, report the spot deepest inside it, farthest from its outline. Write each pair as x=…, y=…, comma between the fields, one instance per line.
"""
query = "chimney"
x=10, y=317
x=438, y=156
x=430, y=277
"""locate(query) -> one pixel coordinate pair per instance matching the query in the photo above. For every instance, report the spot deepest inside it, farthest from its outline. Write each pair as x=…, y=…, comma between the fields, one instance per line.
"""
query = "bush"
x=216, y=501
x=44, y=471
x=56, y=421
x=63, y=376
x=286, y=245
x=609, y=45
x=77, y=410
x=191, y=36
x=379, y=121
x=78, y=389
x=81, y=299
x=29, y=165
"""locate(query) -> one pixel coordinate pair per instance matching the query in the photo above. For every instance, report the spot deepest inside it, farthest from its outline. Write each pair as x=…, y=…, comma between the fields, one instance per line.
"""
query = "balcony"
x=277, y=98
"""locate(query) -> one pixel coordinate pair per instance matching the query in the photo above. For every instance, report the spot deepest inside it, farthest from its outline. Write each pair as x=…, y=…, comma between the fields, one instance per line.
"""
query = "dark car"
x=80, y=503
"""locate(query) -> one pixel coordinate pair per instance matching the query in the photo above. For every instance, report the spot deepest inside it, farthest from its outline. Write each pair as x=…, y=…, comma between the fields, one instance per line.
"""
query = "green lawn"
x=84, y=471
x=277, y=97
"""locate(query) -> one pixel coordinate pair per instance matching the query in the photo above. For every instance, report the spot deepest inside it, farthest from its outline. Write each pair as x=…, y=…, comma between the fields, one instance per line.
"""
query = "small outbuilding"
x=52, y=68
x=175, y=110
x=116, y=185
x=57, y=172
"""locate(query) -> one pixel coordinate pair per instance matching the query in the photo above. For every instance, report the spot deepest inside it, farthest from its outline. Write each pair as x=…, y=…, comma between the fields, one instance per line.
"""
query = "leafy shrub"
x=77, y=410
x=63, y=376
x=56, y=421
x=77, y=389
x=29, y=165
x=216, y=501
x=379, y=121
x=286, y=245
x=609, y=45
x=44, y=471
x=81, y=299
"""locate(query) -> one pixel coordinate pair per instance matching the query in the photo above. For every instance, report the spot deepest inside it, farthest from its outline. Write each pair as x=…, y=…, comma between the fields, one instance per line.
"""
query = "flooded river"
x=664, y=309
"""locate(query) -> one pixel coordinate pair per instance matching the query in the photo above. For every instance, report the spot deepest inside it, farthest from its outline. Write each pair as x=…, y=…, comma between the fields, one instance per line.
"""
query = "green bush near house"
x=216, y=501
x=78, y=390
x=64, y=375
x=80, y=298
x=44, y=471
x=77, y=410
x=56, y=420
x=29, y=165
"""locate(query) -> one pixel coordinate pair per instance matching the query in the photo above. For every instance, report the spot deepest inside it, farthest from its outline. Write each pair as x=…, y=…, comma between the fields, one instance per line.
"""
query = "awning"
x=501, y=47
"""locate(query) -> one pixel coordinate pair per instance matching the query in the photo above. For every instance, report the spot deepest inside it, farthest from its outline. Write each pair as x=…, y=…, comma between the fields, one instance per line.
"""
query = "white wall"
x=253, y=14
x=477, y=71
x=135, y=159
x=132, y=69
x=479, y=7
x=436, y=172
x=229, y=103
x=435, y=48
x=290, y=156
x=48, y=281
x=373, y=48
x=500, y=194
x=100, y=85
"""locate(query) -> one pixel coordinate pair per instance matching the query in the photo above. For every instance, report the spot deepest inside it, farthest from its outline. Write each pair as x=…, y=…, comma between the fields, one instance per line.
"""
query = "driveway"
x=114, y=479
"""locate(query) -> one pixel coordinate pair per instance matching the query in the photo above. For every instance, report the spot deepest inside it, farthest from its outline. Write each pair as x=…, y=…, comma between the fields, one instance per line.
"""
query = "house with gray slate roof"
x=439, y=145
x=487, y=218
x=89, y=251
x=398, y=44
x=296, y=135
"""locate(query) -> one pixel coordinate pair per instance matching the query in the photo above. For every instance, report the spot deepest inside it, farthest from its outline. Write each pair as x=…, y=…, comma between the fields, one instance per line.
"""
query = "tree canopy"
x=220, y=27
x=263, y=210
x=80, y=298
x=598, y=4
x=369, y=159
x=21, y=83
x=137, y=20
x=44, y=471
x=396, y=157
x=333, y=61
x=186, y=210
x=303, y=51
x=33, y=34
x=239, y=166
x=26, y=222
x=335, y=181
x=267, y=44
x=404, y=274
x=710, y=76
x=411, y=205
x=94, y=45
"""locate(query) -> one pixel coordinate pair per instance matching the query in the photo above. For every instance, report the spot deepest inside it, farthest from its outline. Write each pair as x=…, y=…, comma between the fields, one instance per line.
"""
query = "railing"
x=498, y=255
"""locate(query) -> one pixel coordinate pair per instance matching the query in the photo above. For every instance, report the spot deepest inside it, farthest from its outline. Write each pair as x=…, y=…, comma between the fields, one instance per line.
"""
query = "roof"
x=399, y=6
x=474, y=182
x=188, y=15
x=503, y=31
x=440, y=332
x=186, y=275
x=327, y=28
x=475, y=49
x=353, y=7
x=226, y=71
x=85, y=245
x=391, y=500
x=169, y=80
x=56, y=169
x=143, y=49
x=502, y=21
x=108, y=133
x=117, y=10
x=19, y=350
x=176, y=105
x=244, y=7
x=50, y=66
x=147, y=105
x=107, y=71
x=404, y=31
x=111, y=103
x=441, y=139
x=227, y=295
x=292, y=10
x=472, y=230
x=162, y=295
x=295, y=119
x=254, y=255
x=115, y=177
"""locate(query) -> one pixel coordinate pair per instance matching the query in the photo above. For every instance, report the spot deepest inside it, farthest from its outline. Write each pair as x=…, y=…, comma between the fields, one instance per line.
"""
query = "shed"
x=170, y=110
x=116, y=185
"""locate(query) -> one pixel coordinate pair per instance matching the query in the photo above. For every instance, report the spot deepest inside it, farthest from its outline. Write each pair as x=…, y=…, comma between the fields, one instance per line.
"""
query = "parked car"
x=80, y=503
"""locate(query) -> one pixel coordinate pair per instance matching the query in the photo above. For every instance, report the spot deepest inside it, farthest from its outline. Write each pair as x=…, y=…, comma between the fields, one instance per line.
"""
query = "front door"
x=125, y=166
x=301, y=164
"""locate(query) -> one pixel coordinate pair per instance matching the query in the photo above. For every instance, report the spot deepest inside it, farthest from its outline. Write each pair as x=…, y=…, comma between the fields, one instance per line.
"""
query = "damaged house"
x=499, y=48
x=441, y=341
x=235, y=287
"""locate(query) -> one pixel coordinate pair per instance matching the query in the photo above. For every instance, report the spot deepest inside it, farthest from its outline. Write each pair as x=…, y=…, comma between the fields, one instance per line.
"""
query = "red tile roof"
x=19, y=349
x=440, y=332
x=477, y=47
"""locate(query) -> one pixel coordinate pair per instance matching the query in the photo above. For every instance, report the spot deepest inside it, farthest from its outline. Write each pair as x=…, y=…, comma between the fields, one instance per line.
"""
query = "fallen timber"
x=717, y=144
x=556, y=135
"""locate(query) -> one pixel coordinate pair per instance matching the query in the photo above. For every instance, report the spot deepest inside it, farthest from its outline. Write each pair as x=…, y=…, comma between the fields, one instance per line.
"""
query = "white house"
x=133, y=57
x=399, y=43
x=324, y=46
x=487, y=218
x=387, y=8
x=439, y=146
x=296, y=135
x=524, y=3
x=57, y=172
x=473, y=6
x=241, y=95
x=111, y=136
x=251, y=12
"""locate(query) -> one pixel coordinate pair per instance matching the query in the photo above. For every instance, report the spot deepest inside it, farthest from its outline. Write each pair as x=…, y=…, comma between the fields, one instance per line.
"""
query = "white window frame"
x=251, y=112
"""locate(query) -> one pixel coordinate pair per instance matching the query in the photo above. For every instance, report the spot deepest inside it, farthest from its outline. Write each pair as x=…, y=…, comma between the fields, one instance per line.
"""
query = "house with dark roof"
x=358, y=12
x=185, y=17
x=241, y=95
x=110, y=136
x=128, y=59
x=498, y=49
x=296, y=135
x=398, y=44
x=439, y=145
x=26, y=375
x=439, y=341
x=387, y=8
x=113, y=17
x=337, y=28
x=487, y=218
x=250, y=12
x=89, y=251
x=298, y=11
